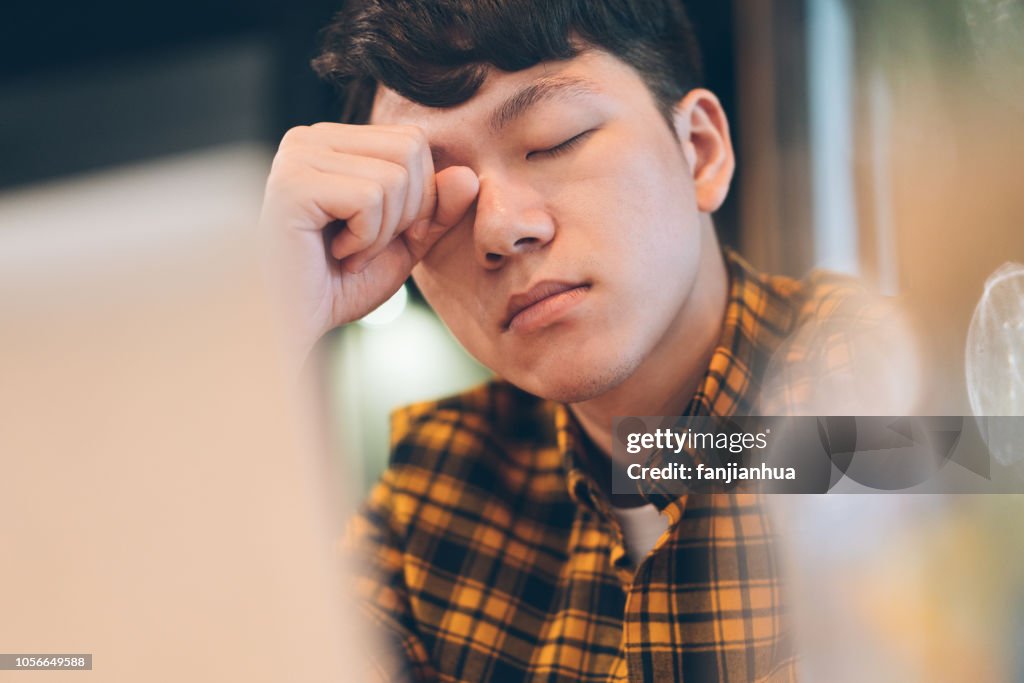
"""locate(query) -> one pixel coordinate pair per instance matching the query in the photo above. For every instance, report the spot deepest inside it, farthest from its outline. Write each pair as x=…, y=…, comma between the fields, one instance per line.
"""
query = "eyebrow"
x=548, y=88
x=519, y=102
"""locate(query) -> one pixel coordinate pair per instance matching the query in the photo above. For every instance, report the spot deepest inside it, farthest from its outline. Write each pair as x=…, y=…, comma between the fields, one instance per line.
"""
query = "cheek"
x=638, y=210
x=445, y=289
x=452, y=289
x=659, y=186
x=639, y=224
x=640, y=169
x=445, y=275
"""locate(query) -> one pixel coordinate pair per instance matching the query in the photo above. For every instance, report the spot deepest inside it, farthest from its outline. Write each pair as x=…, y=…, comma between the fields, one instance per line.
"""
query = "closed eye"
x=562, y=148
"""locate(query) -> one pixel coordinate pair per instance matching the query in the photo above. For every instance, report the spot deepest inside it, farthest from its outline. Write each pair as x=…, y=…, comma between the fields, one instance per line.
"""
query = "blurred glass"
x=925, y=588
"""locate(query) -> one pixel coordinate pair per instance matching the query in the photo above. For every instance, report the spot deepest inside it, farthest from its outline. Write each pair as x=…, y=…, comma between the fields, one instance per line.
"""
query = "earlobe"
x=703, y=132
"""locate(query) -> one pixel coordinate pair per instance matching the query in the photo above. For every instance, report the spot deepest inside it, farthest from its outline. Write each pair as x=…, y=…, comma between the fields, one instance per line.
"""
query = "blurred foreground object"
x=913, y=587
x=906, y=588
x=862, y=359
x=164, y=507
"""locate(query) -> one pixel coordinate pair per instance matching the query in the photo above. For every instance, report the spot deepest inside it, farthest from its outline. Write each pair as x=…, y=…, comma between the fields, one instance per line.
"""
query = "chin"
x=573, y=380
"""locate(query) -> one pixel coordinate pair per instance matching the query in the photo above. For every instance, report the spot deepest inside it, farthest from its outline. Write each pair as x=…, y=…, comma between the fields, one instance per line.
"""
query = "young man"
x=546, y=171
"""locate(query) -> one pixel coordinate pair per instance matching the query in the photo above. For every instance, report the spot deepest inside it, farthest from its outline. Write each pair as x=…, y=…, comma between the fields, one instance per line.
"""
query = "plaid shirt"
x=493, y=555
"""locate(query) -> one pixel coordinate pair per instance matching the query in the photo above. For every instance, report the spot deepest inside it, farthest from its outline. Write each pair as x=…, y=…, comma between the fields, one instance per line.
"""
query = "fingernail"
x=419, y=230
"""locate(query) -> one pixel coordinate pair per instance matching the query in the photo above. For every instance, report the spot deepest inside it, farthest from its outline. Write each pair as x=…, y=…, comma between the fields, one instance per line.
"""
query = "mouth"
x=543, y=304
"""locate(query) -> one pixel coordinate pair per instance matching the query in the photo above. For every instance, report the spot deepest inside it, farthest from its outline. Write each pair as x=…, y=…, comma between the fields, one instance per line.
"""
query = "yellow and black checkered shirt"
x=493, y=555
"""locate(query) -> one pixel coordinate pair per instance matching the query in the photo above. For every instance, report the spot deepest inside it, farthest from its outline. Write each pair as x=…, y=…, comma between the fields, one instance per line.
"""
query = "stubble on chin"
x=578, y=384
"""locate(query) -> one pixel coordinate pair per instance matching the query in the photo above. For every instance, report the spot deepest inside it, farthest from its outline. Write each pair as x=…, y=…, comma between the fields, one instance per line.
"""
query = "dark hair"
x=437, y=52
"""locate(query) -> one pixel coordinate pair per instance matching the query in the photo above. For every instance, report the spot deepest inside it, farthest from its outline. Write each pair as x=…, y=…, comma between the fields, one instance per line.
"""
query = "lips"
x=542, y=304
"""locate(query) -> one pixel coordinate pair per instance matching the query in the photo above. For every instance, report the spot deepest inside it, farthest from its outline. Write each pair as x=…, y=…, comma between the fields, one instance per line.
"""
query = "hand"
x=350, y=210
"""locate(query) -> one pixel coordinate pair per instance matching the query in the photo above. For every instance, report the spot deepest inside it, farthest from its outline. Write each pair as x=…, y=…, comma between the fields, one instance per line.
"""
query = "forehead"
x=504, y=95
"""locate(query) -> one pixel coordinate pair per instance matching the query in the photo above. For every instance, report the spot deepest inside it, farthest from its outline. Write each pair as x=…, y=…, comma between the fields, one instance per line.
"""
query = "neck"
x=668, y=378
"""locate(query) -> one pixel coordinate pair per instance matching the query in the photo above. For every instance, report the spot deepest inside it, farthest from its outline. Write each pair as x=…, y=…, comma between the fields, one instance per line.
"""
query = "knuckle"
x=281, y=178
x=294, y=136
x=367, y=238
x=281, y=165
x=286, y=175
x=372, y=196
x=412, y=156
x=413, y=131
x=398, y=177
x=416, y=142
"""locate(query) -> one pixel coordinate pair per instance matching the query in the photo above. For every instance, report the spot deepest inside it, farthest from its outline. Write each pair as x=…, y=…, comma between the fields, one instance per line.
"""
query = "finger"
x=404, y=145
x=457, y=189
x=391, y=267
x=358, y=202
x=395, y=183
x=391, y=176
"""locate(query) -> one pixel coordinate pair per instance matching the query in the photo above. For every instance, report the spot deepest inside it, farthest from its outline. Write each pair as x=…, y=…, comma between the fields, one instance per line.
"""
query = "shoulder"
x=829, y=296
x=833, y=311
x=845, y=350
x=494, y=418
x=484, y=449
x=790, y=302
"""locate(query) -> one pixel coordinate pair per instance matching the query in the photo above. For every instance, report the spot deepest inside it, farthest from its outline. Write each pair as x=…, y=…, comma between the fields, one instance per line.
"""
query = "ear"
x=703, y=132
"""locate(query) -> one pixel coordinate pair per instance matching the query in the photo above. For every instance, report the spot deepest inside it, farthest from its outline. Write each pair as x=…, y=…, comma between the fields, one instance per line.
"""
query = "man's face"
x=586, y=216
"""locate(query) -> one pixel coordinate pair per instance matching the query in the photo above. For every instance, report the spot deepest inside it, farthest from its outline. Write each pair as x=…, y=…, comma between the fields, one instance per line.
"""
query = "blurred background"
x=882, y=139
x=876, y=138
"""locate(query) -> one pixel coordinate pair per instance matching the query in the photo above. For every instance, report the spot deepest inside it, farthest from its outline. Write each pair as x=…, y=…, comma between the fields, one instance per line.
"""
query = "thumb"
x=457, y=188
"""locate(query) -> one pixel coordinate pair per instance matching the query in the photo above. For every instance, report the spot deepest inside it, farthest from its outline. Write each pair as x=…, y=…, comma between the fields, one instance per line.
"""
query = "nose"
x=511, y=220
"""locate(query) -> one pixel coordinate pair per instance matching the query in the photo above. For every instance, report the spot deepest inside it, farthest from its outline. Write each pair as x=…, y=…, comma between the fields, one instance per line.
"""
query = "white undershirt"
x=641, y=528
